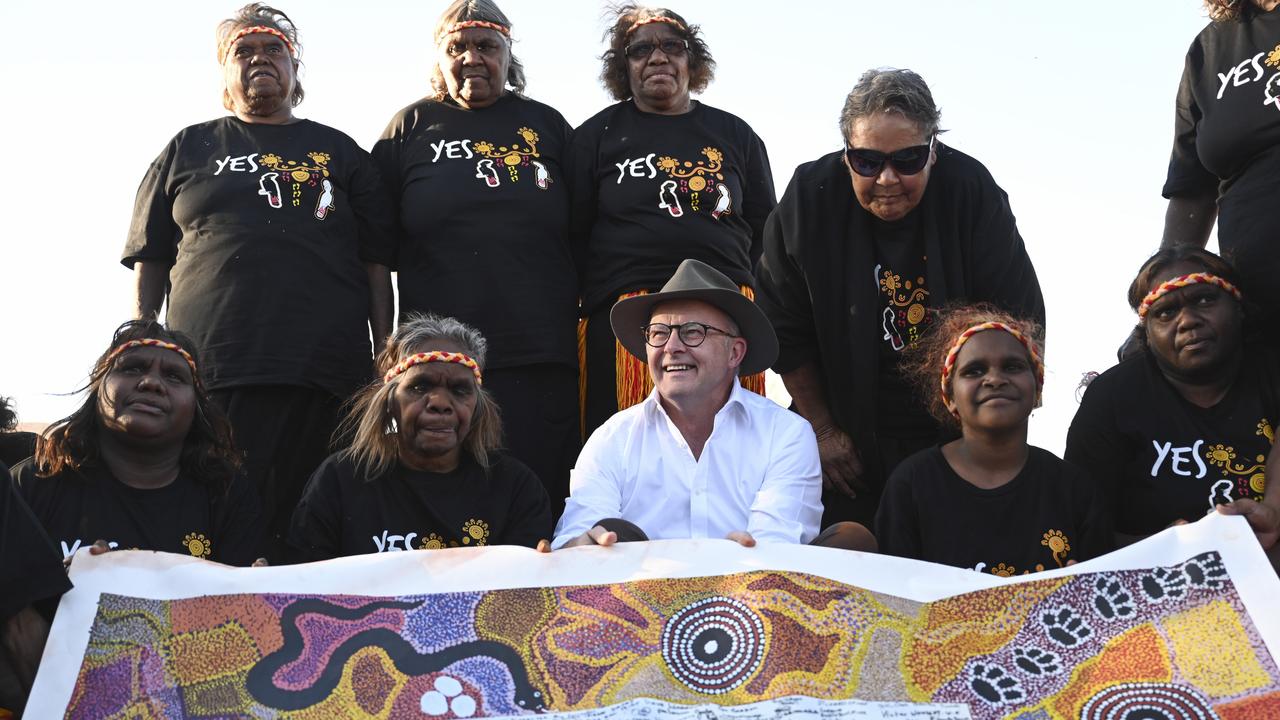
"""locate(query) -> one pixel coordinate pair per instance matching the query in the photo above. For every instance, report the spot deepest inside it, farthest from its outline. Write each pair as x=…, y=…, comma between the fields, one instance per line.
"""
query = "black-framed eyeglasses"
x=907, y=161
x=692, y=334
x=642, y=50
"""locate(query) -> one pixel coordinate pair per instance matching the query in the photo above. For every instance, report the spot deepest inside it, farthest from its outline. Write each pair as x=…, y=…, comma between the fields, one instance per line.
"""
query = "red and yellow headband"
x=463, y=25
x=434, y=356
x=231, y=40
x=1180, y=282
x=656, y=19
x=949, y=364
x=152, y=342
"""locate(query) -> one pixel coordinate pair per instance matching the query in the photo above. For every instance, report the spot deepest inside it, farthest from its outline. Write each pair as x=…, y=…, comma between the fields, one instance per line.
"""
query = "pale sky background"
x=1070, y=105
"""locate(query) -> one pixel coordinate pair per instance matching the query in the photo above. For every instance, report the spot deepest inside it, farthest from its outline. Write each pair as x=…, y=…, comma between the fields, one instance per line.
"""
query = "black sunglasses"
x=907, y=161
x=642, y=50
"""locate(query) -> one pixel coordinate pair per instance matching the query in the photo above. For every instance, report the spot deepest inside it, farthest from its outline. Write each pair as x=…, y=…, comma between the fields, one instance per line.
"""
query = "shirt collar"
x=736, y=400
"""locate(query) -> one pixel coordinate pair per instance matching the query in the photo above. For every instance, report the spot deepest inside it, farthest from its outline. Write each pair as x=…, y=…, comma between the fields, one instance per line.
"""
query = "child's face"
x=993, y=387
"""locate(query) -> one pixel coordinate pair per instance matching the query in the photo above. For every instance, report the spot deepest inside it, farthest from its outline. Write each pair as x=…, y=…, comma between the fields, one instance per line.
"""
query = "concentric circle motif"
x=713, y=645
x=1148, y=701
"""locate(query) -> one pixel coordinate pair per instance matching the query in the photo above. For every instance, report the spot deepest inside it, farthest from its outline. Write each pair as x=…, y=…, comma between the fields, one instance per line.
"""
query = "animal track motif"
x=1205, y=571
x=1111, y=600
x=1164, y=583
x=1034, y=661
x=994, y=685
x=1065, y=627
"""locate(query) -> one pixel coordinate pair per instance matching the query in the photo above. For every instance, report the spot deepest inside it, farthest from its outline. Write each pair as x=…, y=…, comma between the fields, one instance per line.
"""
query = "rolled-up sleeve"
x=595, y=491
x=788, y=507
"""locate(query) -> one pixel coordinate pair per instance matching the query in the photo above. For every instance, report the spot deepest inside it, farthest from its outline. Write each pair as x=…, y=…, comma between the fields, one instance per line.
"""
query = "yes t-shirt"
x=1050, y=513
x=905, y=313
x=80, y=507
x=1161, y=458
x=266, y=228
x=343, y=512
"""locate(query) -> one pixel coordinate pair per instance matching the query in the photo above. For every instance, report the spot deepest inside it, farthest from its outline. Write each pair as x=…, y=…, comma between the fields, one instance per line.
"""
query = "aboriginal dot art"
x=1169, y=643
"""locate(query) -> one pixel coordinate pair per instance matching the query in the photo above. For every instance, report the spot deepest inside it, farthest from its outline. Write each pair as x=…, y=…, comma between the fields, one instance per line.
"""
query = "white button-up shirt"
x=759, y=471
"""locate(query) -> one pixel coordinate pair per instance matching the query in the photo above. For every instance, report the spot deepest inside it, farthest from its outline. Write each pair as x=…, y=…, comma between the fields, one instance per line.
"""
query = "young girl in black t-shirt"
x=987, y=501
x=146, y=462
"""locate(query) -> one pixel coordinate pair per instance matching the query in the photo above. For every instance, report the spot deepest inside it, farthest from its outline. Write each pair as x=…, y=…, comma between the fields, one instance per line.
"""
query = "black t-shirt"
x=904, y=313
x=652, y=190
x=1161, y=458
x=30, y=567
x=484, y=214
x=16, y=447
x=343, y=513
x=1051, y=512
x=78, y=508
x=1227, y=135
x=266, y=227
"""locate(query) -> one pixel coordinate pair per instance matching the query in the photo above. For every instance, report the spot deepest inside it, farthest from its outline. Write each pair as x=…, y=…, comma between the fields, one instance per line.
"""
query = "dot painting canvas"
x=1178, y=629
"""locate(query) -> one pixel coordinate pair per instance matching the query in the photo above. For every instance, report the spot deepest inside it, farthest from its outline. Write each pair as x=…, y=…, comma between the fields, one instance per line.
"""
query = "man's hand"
x=841, y=467
x=595, y=536
x=742, y=537
x=1262, y=517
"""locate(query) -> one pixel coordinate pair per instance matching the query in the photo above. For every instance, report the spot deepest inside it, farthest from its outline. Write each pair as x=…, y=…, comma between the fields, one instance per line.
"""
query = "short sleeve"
x=1187, y=176
x=1094, y=445
x=898, y=518
x=529, y=517
x=30, y=566
x=153, y=234
x=760, y=196
x=1095, y=532
x=372, y=203
x=315, y=532
x=239, y=534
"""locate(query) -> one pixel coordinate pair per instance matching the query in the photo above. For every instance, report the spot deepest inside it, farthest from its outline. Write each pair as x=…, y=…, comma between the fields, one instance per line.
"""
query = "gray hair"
x=891, y=90
x=487, y=11
x=369, y=422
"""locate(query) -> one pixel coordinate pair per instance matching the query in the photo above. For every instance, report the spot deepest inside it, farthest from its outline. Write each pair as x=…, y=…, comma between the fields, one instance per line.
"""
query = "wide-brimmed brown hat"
x=695, y=280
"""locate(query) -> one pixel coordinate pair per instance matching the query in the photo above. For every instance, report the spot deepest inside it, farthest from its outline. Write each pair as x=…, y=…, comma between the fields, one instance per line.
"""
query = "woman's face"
x=149, y=396
x=474, y=62
x=434, y=406
x=1194, y=332
x=993, y=384
x=260, y=76
x=659, y=80
x=890, y=195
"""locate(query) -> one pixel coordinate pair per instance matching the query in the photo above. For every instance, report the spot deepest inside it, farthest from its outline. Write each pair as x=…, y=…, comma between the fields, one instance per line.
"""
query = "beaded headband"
x=152, y=342
x=656, y=18
x=949, y=364
x=433, y=356
x=455, y=27
x=1177, y=283
x=226, y=45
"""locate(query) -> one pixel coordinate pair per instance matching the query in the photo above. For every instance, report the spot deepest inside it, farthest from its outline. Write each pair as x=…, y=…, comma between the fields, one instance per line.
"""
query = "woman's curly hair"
x=1230, y=10
x=208, y=455
x=921, y=362
x=615, y=74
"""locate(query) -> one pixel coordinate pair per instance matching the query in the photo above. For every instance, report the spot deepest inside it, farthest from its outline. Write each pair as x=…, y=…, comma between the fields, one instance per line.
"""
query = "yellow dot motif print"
x=475, y=533
x=198, y=545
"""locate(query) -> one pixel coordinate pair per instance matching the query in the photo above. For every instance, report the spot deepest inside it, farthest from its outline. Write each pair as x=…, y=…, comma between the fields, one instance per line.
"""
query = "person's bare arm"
x=151, y=281
x=1188, y=219
x=381, y=303
x=841, y=467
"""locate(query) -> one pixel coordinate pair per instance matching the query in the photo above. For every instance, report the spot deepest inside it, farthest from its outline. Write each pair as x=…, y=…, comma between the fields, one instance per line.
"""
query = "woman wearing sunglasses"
x=1226, y=147
x=865, y=246
x=657, y=178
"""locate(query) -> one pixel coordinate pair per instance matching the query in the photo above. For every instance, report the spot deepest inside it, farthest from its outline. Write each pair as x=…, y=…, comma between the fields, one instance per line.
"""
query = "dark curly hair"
x=614, y=73
x=1230, y=10
x=208, y=455
x=257, y=13
x=8, y=418
x=921, y=362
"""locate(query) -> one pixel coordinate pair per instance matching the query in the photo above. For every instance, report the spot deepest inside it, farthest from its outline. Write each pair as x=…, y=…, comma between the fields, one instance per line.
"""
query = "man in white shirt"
x=701, y=457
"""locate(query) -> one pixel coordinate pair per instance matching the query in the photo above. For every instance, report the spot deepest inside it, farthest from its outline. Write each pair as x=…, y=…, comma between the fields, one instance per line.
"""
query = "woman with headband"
x=272, y=235
x=658, y=178
x=1189, y=425
x=1225, y=164
x=146, y=462
x=476, y=169
x=866, y=245
x=423, y=470
x=983, y=372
